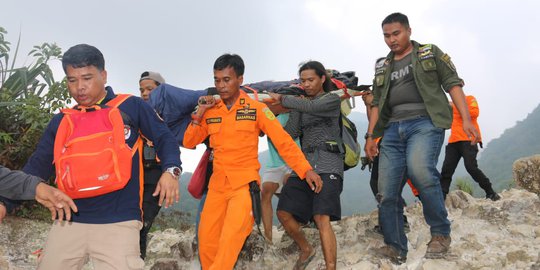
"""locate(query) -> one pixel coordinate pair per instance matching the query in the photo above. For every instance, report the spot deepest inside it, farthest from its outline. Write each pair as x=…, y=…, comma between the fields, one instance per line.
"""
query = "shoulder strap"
x=115, y=102
x=339, y=138
x=255, y=93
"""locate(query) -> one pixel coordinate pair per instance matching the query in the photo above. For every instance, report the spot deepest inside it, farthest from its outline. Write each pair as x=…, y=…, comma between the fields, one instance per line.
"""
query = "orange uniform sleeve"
x=458, y=134
x=474, y=110
x=286, y=147
x=195, y=134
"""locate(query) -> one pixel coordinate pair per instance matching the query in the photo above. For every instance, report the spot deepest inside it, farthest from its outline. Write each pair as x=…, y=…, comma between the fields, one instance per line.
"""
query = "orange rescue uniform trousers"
x=226, y=222
x=226, y=219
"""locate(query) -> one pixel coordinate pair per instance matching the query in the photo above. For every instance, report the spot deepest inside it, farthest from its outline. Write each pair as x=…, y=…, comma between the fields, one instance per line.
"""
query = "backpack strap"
x=255, y=93
x=341, y=85
x=339, y=140
x=115, y=102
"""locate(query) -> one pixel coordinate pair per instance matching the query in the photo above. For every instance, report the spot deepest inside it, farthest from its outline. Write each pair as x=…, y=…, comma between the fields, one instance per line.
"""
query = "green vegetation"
x=464, y=185
x=29, y=95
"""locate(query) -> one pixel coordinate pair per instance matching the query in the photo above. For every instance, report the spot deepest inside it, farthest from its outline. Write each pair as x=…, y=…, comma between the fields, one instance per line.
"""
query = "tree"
x=29, y=95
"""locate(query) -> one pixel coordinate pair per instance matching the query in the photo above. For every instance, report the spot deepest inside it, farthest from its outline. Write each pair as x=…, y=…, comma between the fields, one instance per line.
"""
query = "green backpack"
x=348, y=142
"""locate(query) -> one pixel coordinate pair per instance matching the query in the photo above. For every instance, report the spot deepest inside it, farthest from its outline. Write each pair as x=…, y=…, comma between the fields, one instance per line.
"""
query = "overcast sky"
x=490, y=42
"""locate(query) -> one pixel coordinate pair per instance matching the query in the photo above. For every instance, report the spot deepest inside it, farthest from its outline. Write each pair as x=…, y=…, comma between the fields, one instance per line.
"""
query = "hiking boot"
x=389, y=252
x=438, y=246
x=493, y=196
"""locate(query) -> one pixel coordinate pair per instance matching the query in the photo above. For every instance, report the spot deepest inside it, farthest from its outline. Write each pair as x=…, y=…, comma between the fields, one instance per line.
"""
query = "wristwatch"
x=174, y=171
x=368, y=135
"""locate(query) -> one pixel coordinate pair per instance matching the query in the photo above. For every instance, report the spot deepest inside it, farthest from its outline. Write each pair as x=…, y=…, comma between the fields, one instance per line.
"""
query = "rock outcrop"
x=485, y=235
x=527, y=173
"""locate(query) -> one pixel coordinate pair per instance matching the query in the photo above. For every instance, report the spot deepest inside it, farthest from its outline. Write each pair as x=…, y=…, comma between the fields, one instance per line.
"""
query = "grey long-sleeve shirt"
x=17, y=185
x=316, y=120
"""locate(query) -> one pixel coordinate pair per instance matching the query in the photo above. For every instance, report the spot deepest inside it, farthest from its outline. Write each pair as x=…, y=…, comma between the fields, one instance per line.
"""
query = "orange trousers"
x=226, y=222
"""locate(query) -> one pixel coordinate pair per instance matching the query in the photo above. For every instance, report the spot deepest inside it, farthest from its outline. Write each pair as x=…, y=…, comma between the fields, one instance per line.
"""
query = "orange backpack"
x=91, y=156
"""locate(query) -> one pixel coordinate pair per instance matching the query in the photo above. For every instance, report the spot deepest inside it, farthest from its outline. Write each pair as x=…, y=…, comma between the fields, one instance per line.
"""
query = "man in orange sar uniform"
x=234, y=124
x=459, y=145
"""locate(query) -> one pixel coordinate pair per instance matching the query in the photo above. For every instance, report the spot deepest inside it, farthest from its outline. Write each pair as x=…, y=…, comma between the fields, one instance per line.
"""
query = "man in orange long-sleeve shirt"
x=234, y=124
x=459, y=145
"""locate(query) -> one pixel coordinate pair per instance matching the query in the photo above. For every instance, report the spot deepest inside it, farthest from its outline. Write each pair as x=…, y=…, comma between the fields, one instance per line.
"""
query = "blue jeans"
x=410, y=148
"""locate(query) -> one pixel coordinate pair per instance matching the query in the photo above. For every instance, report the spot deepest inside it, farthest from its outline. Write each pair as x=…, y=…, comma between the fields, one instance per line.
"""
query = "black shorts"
x=298, y=199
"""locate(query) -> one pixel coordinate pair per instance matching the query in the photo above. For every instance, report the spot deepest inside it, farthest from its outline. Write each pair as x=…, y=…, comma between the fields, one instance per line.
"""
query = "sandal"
x=301, y=265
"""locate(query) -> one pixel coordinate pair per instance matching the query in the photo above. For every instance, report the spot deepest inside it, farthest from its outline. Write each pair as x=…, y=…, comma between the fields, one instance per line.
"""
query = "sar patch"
x=446, y=59
x=214, y=120
x=246, y=114
x=269, y=114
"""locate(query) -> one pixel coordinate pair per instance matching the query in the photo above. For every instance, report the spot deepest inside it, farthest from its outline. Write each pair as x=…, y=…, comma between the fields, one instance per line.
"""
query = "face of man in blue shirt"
x=86, y=84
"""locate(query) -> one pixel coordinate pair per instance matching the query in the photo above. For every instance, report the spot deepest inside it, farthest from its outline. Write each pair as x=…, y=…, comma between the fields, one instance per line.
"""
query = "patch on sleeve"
x=446, y=59
x=269, y=114
x=127, y=132
x=214, y=120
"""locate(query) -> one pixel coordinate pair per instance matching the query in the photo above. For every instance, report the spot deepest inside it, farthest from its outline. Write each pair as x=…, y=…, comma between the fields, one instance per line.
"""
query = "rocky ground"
x=485, y=235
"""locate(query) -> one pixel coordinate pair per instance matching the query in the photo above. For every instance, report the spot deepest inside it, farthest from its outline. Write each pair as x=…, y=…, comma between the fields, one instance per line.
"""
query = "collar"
x=110, y=95
x=390, y=56
x=242, y=101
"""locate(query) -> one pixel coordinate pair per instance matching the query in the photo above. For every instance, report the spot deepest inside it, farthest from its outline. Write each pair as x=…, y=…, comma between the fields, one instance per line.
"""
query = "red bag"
x=198, y=179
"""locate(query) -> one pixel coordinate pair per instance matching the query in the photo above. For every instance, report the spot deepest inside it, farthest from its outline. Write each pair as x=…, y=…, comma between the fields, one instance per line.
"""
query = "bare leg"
x=293, y=229
x=328, y=240
x=268, y=190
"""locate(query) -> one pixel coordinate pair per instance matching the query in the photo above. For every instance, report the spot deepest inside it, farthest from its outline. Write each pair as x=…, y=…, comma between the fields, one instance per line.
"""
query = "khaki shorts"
x=276, y=175
x=109, y=246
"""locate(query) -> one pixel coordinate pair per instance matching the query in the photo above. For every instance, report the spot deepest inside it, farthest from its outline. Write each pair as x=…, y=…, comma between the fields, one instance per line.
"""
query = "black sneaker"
x=378, y=229
x=493, y=196
x=406, y=226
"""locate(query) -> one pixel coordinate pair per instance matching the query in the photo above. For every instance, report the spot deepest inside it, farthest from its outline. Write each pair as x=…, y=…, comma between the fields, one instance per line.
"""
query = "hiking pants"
x=109, y=246
x=454, y=152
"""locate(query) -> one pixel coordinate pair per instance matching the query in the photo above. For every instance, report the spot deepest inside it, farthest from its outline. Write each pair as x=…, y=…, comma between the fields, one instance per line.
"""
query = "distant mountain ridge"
x=519, y=141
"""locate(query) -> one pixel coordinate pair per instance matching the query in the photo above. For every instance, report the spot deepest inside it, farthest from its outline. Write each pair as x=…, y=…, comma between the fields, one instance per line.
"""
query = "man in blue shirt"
x=106, y=229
